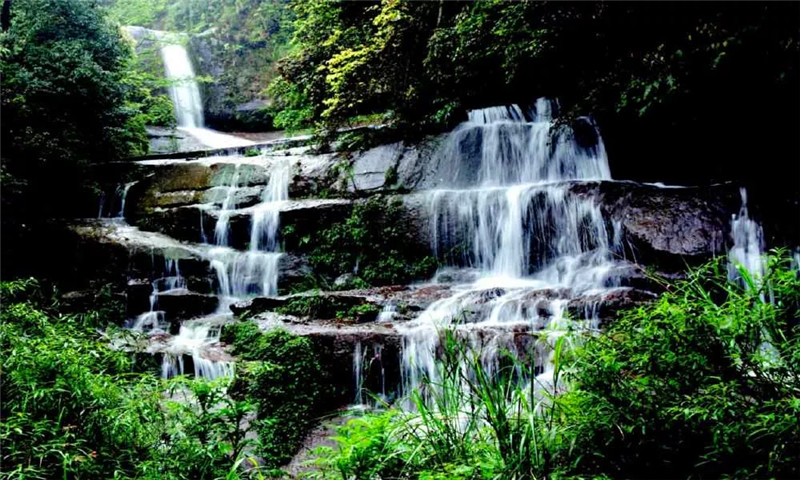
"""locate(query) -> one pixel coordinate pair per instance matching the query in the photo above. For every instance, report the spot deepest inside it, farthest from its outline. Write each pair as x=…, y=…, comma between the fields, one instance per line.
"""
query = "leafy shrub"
x=466, y=423
x=703, y=383
x=73, y=407
x=371, y=244
x=282, y=376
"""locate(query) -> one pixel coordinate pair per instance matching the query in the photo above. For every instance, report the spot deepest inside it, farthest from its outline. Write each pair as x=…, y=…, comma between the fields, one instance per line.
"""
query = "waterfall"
x=120, y=195
x=255, y=271
x=185, y=93
x=183, y=90
x=507, y=213
x=123, y=198
x=747, y=251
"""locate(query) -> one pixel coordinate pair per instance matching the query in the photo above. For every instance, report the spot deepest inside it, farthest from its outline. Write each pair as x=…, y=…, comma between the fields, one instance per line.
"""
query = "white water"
x=534, y=244
x=194, y=338
x=747, y=251
x=120, y=195
x=255, y=271
x=185, y=94
x=240, y=274
x=373, y=363
x=184, y=90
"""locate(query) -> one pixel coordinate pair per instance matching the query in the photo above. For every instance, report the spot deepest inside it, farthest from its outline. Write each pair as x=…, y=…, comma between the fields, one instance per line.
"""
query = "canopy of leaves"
x=71, y=98
x=671, y=84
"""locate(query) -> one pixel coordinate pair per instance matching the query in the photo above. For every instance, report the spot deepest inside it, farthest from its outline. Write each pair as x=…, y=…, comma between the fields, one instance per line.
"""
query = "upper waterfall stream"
x=185, y=92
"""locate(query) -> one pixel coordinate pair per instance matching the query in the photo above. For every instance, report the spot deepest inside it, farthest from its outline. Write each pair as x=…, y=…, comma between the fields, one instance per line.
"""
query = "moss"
x=281, y=374
x=372, y=244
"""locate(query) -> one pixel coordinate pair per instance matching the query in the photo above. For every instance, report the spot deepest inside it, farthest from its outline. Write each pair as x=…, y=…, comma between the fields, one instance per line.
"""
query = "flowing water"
x=509, y=216
x=255, y=271
x=240, y=274
x=184, y=90
x=747, y=251
x=185, y=94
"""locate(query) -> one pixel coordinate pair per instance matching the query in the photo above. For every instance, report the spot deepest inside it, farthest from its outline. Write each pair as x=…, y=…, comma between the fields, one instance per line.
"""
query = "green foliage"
x=702, y=383
x=283, y=378
x=292, y=110
x=136, y=12
x=635, y=67
x=73, y=407
x=466, y=423
x=65, y=98
x=69, y=101
x=371, y=244
x=351, y=60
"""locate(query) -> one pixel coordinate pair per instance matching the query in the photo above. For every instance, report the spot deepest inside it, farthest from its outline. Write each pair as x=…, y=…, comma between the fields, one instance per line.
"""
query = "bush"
x=372, y=245
x=703, y=383
x=282, y=376
x=73, y=407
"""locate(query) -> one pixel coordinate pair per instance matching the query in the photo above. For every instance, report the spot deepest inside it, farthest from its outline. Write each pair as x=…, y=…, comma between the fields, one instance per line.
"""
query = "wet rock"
x=183, y=304
x=258, y=305
x=667, y=227
x=605, y=307
x=293, y=270
x=455, y=275
x=335, y=344
x=348, y=306
x=138, y=293
x=240, y=197
x=81, y=301
x=372, y=168
x=344, y=281
x=108, y=250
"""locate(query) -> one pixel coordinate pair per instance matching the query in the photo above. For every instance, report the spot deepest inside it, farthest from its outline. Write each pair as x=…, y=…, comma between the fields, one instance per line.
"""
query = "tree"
x=65, y=105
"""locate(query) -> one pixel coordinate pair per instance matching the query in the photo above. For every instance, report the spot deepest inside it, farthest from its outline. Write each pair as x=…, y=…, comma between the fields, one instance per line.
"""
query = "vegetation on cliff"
x=281, y=375
x=669, y=82
x=74, y=407
x=72, y=97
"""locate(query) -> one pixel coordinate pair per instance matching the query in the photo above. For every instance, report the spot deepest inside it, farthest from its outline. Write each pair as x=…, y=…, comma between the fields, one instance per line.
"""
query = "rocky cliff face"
x=234, y=99
x=173, y=209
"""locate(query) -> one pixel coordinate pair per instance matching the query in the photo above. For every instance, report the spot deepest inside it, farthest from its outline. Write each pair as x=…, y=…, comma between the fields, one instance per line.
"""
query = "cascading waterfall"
x=254, y=272
x=532, y=244
x=374, y=366
x=118, y=198
x=239, y=274
x=195, y=347
x=747, y=251
x=154, y=321
x=184, y=91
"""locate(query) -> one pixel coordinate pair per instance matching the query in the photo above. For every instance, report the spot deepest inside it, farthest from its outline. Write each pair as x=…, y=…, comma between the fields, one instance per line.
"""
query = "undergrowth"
x=73, y=407
x=703, y=383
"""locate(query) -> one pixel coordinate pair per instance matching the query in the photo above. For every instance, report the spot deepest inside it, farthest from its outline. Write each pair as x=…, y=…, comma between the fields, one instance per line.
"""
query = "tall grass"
x=469, y=421
x=702, y=383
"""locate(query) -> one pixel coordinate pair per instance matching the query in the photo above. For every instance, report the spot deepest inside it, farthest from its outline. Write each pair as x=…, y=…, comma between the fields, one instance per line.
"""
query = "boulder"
x=183, y=304
x=604, y=307
x=667, y=227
